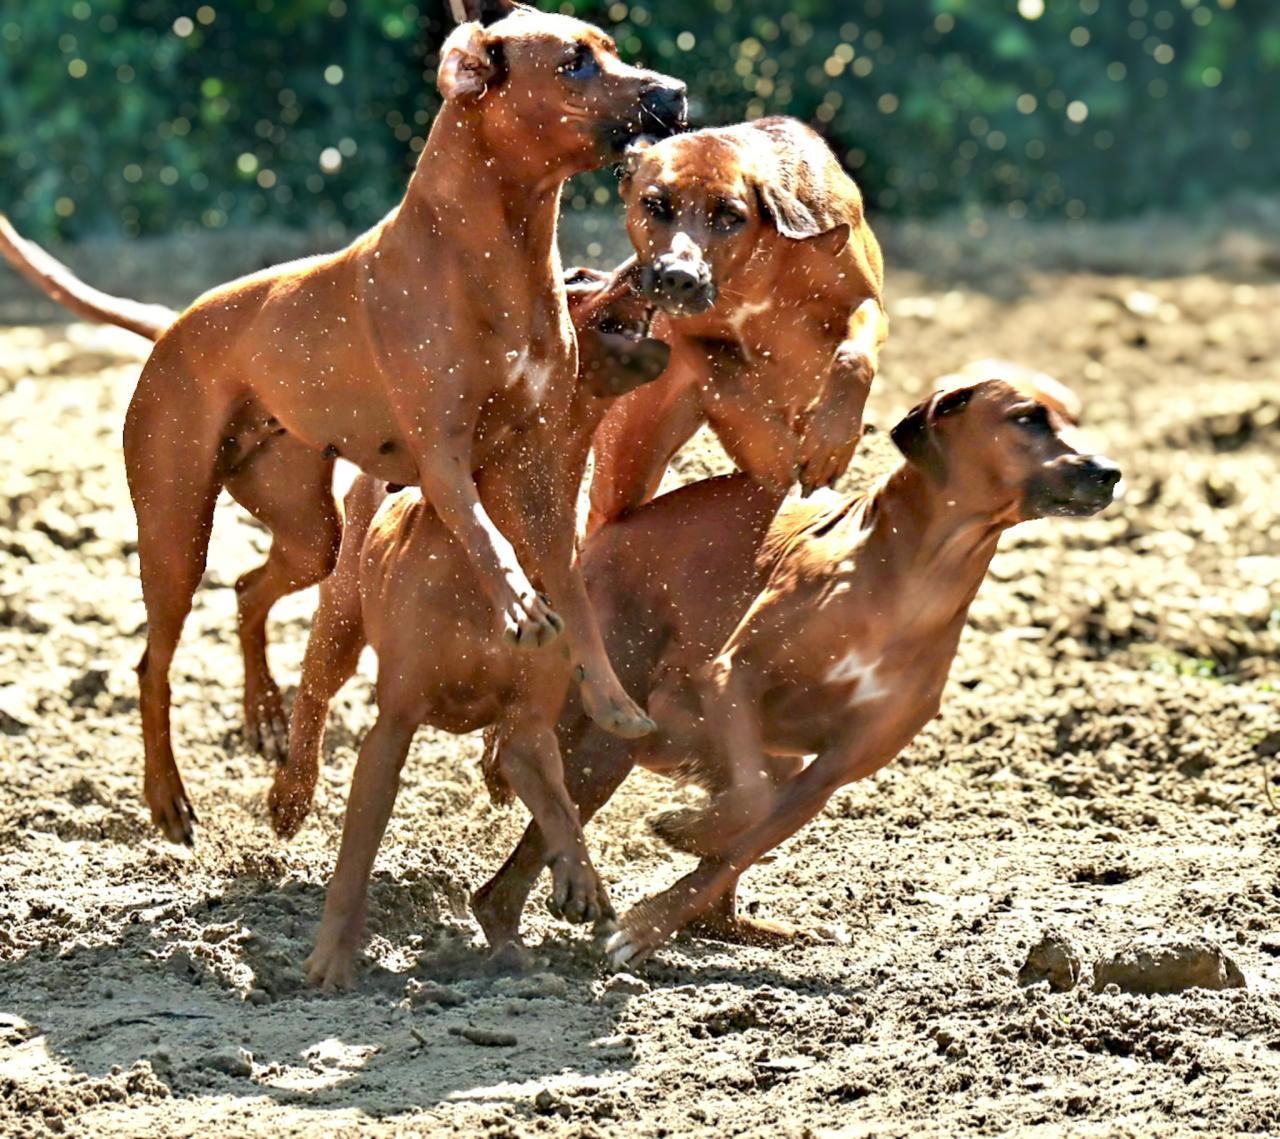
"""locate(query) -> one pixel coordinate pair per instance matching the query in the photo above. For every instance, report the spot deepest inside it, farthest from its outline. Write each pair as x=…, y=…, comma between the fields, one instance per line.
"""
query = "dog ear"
x=916, y=434
x=801, y=187
x=470, y=63
x=632, y=157
x=484, y=12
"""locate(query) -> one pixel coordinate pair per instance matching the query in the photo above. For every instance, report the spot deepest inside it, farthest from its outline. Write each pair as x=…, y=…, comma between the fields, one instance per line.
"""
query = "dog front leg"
x=755, y=434
x=547, y=515
x=443, y=455
x=798, y=802
x=737, y=773
x=373, y=793
x=636, y=441
x=832, y=426
x=529, y=758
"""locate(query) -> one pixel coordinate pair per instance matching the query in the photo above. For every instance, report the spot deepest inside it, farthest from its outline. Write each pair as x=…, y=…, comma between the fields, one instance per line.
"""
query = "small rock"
x=258, y=997
x=543, y=985
x=15, y=718
x=85, y=689
x=419, y=993
x=532, y=986
x=231, y=1061
x=1051, y=959
x=14, y=1030
x=1168, y=968
x=484, y=1036
x=625, y=985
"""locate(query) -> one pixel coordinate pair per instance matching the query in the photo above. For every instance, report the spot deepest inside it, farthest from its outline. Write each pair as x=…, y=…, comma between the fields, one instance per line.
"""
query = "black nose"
x=678, y=281
x=665, y=104
x=1100, y=472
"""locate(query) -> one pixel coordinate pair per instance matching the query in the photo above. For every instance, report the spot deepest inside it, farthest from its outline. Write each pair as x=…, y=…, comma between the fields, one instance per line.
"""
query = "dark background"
x=125, y=117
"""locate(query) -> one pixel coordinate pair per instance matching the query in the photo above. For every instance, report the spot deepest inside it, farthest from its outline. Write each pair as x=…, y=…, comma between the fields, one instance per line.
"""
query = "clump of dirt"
x=1096, y=771
x=1167, y=967
x=1053, y=959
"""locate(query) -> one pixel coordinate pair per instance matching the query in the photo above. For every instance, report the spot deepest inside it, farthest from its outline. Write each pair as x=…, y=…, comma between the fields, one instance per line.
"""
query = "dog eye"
x=580, y=65
x=727, y=218
x=658, y=207
x=1035, y=420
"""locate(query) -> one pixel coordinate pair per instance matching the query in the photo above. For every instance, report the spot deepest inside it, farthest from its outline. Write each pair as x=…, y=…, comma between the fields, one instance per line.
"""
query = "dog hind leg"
x=287, y=487
x=333, y=651
x=601, y=762
x=173, y=481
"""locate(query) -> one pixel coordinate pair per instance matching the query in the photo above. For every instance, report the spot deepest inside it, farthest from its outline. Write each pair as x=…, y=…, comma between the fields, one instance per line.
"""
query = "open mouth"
x=634, y=330
x=1076, y=504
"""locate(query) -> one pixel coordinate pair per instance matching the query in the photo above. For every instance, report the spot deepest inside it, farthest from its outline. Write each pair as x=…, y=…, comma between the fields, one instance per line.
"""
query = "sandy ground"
x=1096, y=774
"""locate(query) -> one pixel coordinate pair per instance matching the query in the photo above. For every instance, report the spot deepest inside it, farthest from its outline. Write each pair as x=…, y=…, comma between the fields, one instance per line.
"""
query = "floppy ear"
x=916, y=434
x=484, y=12
x=469, y=63
x=633, y=156
x=801, y=186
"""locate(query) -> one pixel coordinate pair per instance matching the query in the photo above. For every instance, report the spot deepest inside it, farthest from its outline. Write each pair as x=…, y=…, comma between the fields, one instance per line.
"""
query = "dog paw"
x=681, y=829
x=577, y=894
x=617, y=713
x=332, y=964
x=288, y=805
x=172, y=812
x=513, y=957
x=531, y=623
x=266, y=727
x=624, y=951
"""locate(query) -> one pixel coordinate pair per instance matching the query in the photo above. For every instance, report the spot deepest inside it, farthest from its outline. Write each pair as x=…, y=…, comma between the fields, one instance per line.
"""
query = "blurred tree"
x=156, y=115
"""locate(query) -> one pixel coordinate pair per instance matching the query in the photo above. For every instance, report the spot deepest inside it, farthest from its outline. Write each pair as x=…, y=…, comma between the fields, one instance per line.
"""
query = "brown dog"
x=753, y=242
x=858, y=605
x=410, y=591
x=430, y=346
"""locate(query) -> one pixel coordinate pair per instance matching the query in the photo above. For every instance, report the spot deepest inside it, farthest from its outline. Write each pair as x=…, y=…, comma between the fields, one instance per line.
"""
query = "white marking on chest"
x=534, y=372
x=739, y=320
x=854, y=668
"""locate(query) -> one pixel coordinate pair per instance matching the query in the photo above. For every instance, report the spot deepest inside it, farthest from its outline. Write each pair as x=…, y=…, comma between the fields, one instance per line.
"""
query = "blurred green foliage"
x=157, y=115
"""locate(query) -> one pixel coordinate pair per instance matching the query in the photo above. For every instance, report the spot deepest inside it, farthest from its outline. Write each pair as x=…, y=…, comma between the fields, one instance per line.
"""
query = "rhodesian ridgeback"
x=405, y=585
x=826, y=630
x=753, y=242
x=430, y=346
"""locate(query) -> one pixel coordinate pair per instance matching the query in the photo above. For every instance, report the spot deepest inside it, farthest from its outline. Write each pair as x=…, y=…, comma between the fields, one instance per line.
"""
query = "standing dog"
x=842, y=654
x=404, y=585
x=753, y=243
x=433, y=344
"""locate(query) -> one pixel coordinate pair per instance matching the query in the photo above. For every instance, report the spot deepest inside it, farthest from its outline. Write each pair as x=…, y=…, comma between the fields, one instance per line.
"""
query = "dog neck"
x=916, y=529
x=461, y=186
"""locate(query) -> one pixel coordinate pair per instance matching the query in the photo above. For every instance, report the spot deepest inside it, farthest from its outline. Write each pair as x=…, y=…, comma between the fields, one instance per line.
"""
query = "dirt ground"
x=1097, y=774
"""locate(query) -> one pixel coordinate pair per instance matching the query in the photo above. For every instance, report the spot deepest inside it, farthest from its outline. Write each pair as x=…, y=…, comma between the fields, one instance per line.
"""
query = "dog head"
x=615, y=351
x=701, y=206
x=990, y=444
x=552, y=87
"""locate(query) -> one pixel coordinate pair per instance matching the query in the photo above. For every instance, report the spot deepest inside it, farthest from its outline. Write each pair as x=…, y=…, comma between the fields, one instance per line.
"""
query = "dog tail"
x=55, y=280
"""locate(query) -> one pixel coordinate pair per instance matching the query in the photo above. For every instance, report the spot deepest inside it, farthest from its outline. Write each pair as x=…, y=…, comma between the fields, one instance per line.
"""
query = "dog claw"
x=175, y=819
x=619, y=951
x=532, y=624
x=575, y=890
